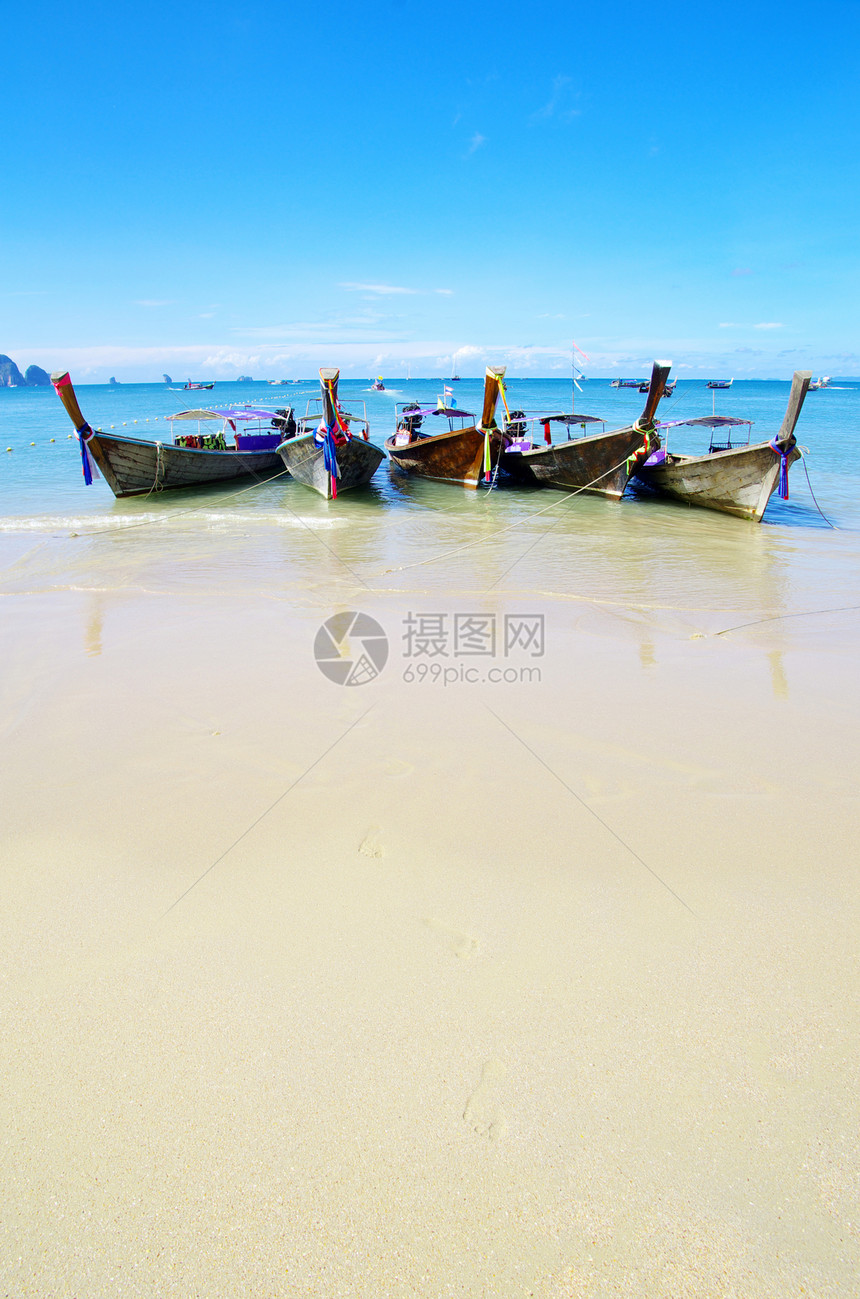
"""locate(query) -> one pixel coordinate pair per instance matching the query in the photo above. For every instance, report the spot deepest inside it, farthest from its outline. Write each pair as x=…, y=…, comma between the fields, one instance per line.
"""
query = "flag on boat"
x=449, y=396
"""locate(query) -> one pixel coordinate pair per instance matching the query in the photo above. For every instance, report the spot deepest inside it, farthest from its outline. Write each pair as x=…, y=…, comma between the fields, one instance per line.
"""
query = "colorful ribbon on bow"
x=331, y=436
x=487, y=457
x=641, y=453
x=782, y=486
x=88, y=465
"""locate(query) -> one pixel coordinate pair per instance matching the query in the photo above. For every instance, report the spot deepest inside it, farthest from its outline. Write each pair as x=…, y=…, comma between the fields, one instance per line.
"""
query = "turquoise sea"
x=56, y=531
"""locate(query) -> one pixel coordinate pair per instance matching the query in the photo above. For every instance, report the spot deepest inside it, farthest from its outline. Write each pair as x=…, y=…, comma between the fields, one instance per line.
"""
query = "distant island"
x=11, y=377
x=244, y=378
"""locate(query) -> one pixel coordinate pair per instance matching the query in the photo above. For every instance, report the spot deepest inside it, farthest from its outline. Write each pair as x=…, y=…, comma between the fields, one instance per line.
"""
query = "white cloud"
x=365, y=353
x=378, y=290
x=555, y=105
x=766, y=324
x=475, y=143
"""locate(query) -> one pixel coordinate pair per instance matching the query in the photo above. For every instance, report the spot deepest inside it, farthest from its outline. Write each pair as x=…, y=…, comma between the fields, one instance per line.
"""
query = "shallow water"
x=407, y=535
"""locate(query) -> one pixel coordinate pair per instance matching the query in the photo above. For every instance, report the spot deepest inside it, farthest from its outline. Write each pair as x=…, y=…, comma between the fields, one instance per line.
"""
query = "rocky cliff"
x=10, y=375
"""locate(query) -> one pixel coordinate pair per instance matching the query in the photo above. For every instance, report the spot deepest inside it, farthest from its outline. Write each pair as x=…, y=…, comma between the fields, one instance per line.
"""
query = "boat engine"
x=412, y=423
x=285, y=422
x=515, y=425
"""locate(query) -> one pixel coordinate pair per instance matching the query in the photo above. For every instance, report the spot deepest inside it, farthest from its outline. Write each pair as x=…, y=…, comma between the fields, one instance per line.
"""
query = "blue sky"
x=213, y=190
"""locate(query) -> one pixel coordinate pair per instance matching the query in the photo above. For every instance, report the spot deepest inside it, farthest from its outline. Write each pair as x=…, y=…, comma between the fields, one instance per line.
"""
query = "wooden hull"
x=454, y=457
x=595, y=464
x=135, y=467
x=357, y=462
x=739, y=482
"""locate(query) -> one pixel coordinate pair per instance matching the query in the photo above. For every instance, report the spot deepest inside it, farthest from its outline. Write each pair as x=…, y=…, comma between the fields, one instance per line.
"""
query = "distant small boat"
x=136, y=466
x=720, y=383
x=735, y=479
x=325, y=455
x=378, y=385
x=667, y=391
x=197, y=387
x=823, y=382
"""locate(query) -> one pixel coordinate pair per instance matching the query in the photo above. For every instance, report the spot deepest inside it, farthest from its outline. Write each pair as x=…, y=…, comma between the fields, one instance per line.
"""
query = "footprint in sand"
x=371, y=844
x=461, y=945
x=483, y=1112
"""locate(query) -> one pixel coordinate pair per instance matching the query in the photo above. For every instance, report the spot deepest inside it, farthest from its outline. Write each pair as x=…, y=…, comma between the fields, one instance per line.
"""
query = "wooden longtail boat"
x=601, y=463
x=328, y=458
x=136, y=466
x=737, y=480
x=458, y=455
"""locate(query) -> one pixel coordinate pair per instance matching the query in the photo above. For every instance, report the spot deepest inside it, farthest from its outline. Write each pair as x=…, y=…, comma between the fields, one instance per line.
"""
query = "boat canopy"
x=419, y=413
x=706, y=421
x=517, y=417
x=576, y=419
x=226, y=412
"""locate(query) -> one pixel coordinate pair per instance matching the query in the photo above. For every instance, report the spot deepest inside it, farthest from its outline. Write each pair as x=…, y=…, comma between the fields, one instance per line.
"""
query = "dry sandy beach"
x=541, y=989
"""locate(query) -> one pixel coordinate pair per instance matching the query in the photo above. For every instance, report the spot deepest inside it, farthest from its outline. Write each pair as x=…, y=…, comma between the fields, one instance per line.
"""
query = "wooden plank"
x=328, y=388
x=799, y=388
x=659, y=375
x=738, y=482
x=492, y=378
x=357, y=461
x=134, y=467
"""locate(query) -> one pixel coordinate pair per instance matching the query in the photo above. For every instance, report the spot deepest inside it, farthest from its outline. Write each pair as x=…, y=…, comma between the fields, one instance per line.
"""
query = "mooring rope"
x=445, y=554
x=812, y=493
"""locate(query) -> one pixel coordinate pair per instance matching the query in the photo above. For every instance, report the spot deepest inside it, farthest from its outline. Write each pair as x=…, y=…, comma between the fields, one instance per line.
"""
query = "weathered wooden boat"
x=720, y=383
x=455, y=455
x=378, y=385
x=600, y=463
x=328, y=457
x=626, y=383
x=733, y=478
x=136, y=466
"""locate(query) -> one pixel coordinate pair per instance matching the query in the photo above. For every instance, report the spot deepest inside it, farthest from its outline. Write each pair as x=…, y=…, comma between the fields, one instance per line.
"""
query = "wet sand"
x=545, y=988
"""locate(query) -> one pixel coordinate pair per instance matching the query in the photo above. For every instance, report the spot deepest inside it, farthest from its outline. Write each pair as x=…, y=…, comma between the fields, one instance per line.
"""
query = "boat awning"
x=706, y=421
x=573, y=418
x=226, y=412
x=435, y=410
